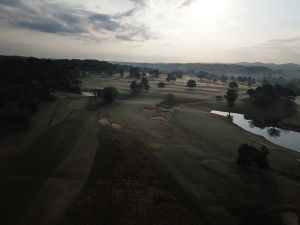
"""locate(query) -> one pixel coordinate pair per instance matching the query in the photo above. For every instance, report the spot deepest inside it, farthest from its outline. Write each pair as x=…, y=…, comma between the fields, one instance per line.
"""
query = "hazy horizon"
x=148, y=31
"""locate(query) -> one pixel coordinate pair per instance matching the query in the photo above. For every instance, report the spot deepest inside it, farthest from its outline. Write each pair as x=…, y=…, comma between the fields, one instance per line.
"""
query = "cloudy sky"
x=153, y=30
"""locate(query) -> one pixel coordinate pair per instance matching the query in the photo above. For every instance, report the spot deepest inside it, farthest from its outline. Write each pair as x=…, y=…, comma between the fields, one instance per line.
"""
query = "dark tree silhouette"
x=169, y=100
x=145, y=83
x=134, y=73
x=233, y=84
x=161, y=85
x=261, y=160
x=109, y=94
x=247, y=155
x=155, y=73
x=231, y=97
x=223, y=78
x=191, y=83
x=135, y=87
x=171, y=77
x=250, y=92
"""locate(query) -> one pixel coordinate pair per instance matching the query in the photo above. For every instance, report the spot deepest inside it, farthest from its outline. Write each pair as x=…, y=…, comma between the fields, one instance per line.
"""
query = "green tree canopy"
x=233, y=84
x=231, y=96
x=191, y=83
x=109, y=93
x=161, y=85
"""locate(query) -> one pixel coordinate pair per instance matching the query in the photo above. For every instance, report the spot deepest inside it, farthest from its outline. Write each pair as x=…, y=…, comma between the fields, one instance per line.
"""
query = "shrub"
x=249, y=155
x=169, y=100
x=109, y=93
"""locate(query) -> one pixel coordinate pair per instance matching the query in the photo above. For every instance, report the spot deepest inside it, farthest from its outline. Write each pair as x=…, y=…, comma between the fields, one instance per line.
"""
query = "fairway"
x=199, y=149
x=61, y=152
x=195, y=147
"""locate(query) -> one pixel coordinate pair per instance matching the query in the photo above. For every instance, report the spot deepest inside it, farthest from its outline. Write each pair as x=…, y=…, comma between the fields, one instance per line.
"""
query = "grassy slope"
x=200, y=151
x=127, y=185
x=26, y=174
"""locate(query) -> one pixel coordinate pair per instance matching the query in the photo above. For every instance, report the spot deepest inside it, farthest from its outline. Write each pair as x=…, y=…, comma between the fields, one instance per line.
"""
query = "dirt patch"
x=108, y=123
x=129, y=186
x=157, y=113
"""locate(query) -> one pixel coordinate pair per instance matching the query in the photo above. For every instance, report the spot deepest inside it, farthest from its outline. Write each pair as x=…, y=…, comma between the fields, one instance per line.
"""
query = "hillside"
x=241, y=69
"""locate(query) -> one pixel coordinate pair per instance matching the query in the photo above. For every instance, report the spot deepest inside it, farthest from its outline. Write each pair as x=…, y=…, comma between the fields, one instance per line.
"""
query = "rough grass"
x=26, y=174
x=128, y=185
x=200, y=149
x=16, y=194
x=45, y=153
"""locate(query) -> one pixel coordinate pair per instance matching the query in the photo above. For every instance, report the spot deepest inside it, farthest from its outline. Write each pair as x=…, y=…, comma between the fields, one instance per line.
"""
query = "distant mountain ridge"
x=243, y=68
x=287, y=67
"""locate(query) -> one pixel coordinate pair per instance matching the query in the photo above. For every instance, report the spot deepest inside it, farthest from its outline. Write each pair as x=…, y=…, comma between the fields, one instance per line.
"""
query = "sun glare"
x=209, y=9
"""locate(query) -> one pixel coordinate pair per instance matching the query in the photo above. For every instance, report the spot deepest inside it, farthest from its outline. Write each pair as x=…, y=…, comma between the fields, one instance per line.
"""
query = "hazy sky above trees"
x=153, y=30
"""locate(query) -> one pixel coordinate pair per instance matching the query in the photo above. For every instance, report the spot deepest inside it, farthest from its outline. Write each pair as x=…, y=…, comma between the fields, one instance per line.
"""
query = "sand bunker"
x=104, y=122
x=108, y=123
x=116, y=125
x=156, y=113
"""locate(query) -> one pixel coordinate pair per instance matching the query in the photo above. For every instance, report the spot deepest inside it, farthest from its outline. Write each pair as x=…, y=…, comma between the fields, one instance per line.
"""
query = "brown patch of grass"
x=128, y=185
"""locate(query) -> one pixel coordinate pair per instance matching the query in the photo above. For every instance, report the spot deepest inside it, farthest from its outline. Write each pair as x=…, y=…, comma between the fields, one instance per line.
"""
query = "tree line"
x=268, y=95
x=27, y=82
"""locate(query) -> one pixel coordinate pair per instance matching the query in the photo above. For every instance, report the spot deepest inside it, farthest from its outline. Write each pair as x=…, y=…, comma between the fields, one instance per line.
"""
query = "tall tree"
x=145, y=83
x=231, y=96
x=233, y=84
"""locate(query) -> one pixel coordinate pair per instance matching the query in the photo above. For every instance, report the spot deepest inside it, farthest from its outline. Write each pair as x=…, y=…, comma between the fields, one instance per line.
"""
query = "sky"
x=207, y=31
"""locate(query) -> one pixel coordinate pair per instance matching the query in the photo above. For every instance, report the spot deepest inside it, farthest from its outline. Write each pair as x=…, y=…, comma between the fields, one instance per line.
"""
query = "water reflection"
x=274, y=132
x=267, y=128
x=269, y=124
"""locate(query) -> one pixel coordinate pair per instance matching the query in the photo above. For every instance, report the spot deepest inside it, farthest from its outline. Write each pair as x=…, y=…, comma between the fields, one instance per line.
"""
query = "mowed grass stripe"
x=45, y=153
x=26, y=175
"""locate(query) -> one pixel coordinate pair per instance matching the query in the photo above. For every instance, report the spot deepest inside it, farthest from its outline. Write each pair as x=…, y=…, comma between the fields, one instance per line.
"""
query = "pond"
x=285, y=138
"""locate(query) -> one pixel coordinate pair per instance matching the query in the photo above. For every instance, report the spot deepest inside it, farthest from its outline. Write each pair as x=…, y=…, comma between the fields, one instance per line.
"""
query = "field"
x=142, y=157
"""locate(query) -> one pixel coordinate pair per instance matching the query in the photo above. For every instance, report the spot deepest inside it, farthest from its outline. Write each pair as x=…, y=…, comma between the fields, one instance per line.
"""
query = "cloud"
x=286, y=40
x=139, y=3
x=104, y=22
x=10, y=2
x=139, y=33
x=66, y=19
x=185, y=3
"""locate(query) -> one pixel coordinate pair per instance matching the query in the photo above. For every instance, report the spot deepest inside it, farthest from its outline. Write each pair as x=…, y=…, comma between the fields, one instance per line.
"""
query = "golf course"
x=137, y=160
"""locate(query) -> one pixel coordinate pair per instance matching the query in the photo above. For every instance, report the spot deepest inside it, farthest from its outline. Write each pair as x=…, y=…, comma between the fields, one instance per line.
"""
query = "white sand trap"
x=104, y=122
x=108, y=123
x=116, y=125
